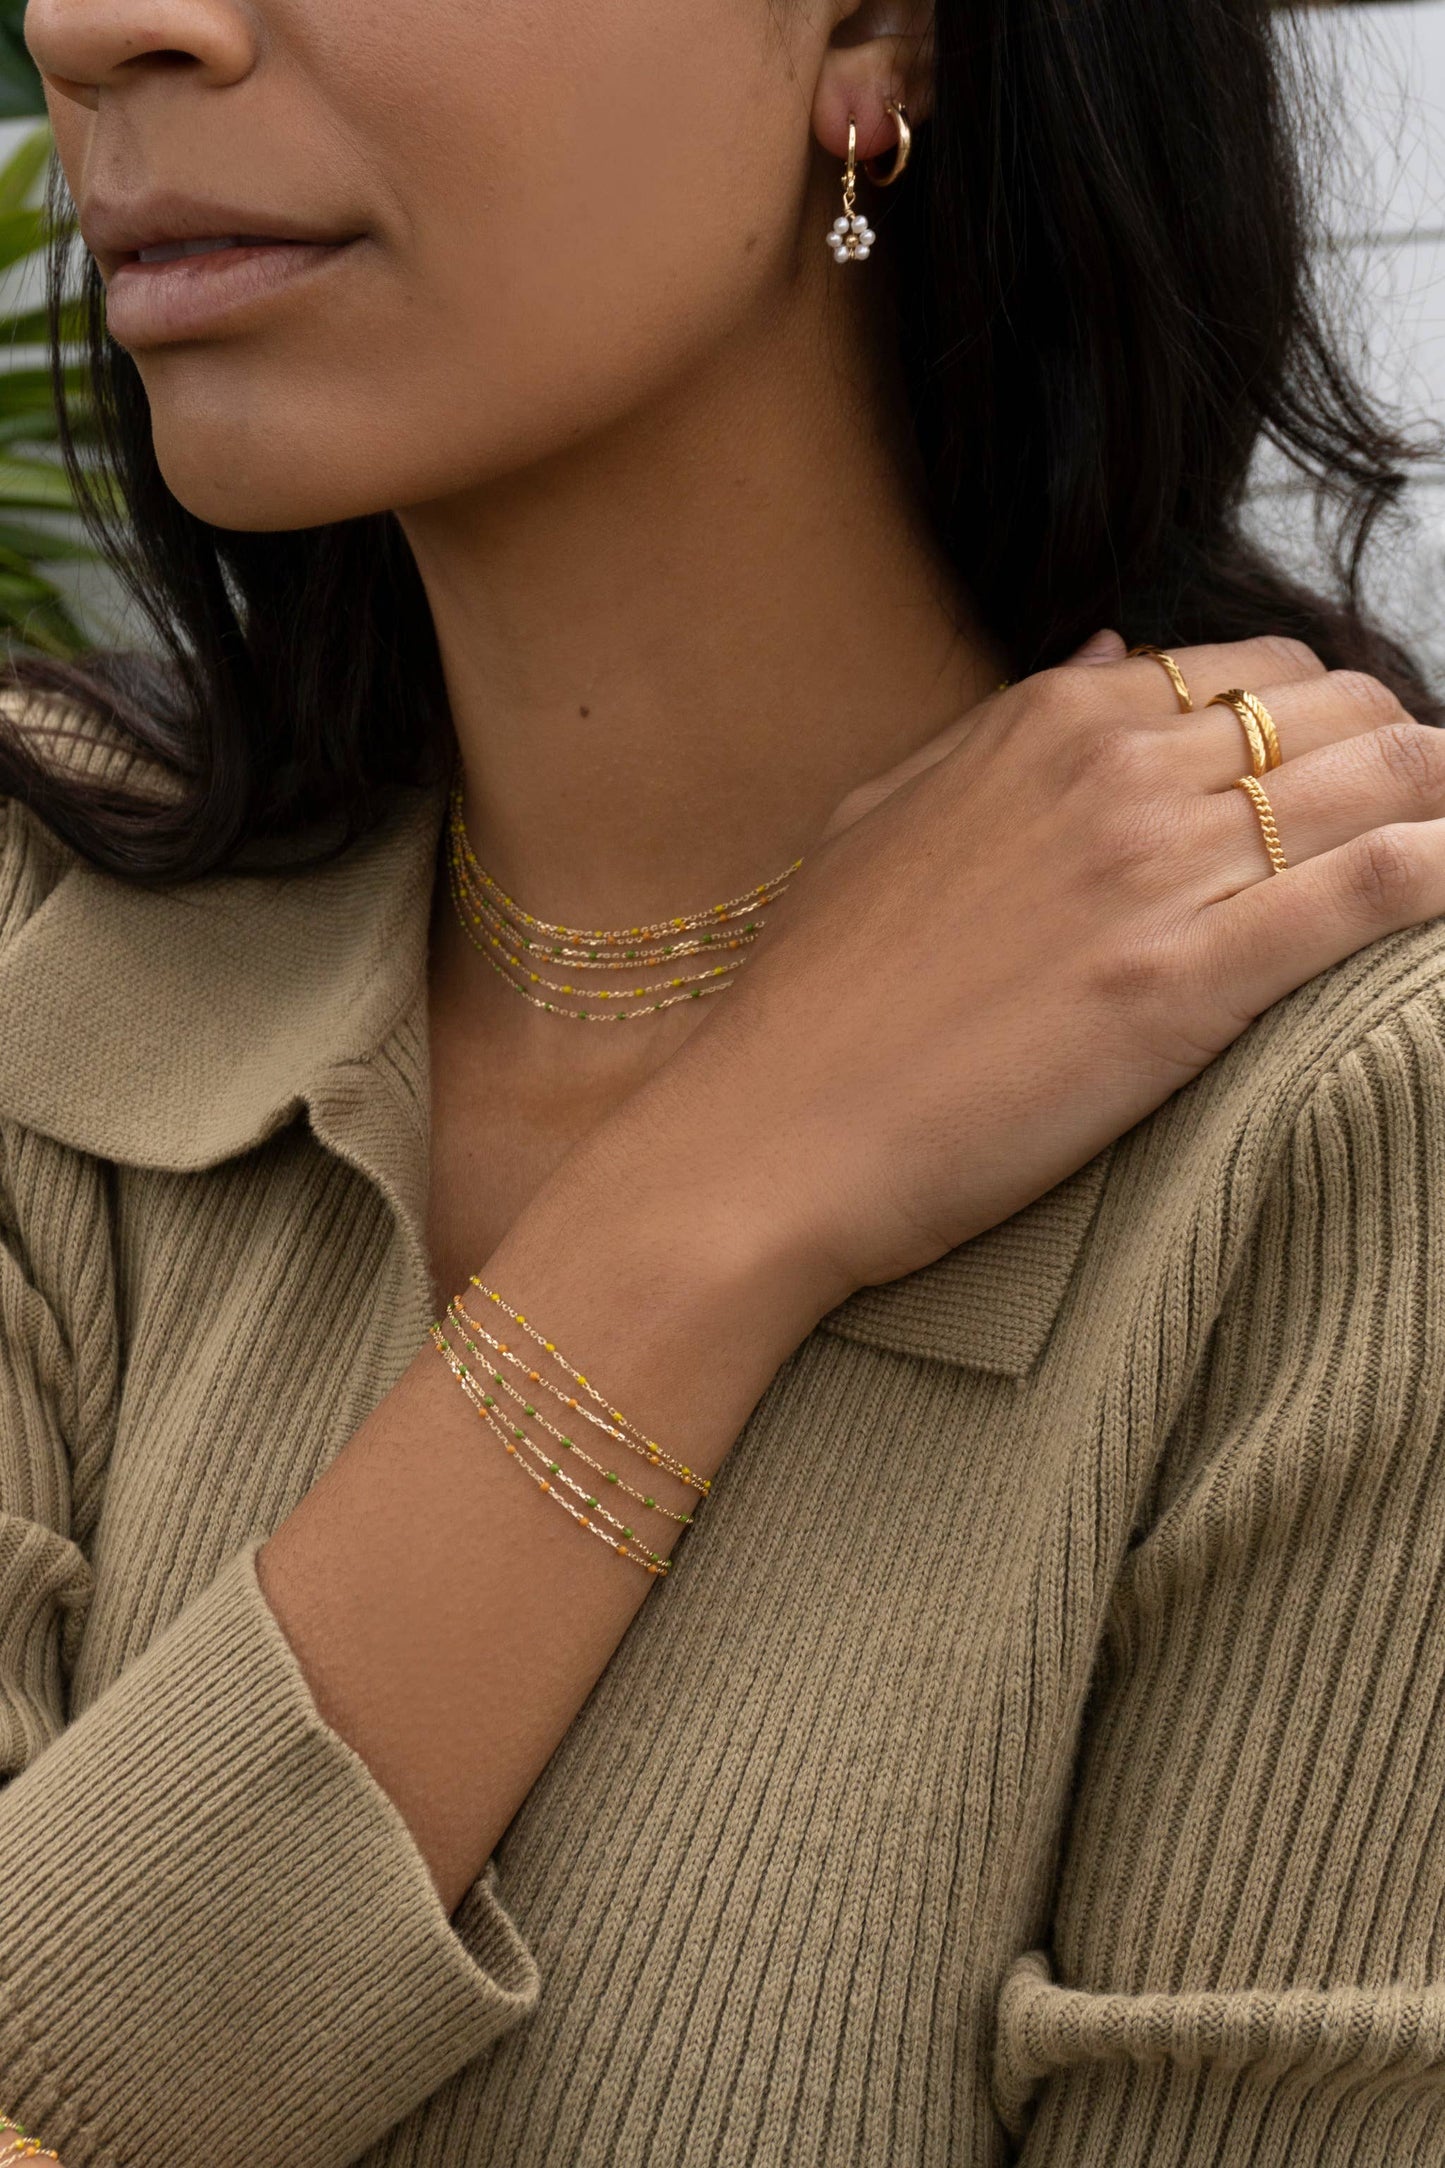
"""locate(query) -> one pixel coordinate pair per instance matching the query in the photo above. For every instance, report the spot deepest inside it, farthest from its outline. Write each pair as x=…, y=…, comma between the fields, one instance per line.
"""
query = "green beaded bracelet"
x=32, y=2148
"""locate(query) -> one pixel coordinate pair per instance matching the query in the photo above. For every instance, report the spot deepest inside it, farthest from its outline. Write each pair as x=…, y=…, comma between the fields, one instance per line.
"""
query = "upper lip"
x=115, y=228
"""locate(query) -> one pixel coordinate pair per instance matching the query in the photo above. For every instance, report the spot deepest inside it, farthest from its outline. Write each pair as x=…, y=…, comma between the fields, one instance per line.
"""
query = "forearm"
x=449, y=1619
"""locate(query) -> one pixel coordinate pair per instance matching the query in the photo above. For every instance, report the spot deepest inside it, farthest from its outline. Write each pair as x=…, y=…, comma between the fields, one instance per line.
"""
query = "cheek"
x=572, y=206
x=71, y=125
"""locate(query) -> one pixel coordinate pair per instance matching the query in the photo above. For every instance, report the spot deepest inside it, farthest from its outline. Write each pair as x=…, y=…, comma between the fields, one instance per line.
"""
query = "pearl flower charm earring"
x=850, y=237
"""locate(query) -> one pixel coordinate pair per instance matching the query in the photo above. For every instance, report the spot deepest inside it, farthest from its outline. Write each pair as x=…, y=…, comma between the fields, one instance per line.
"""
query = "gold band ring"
x=1267, y=730
x=1258, y=726
x=1256, y=792
x=1176, y=675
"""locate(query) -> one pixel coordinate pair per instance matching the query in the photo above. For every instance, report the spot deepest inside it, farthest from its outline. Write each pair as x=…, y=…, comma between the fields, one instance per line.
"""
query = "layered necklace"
x=518, y=946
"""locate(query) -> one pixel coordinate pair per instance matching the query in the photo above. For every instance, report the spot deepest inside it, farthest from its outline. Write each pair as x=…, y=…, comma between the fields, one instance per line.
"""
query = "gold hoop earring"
x=850, y=237
x=900, y=156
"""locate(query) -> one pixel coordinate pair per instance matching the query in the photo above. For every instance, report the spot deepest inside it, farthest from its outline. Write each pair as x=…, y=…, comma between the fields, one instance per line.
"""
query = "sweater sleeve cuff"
x=219, y=1933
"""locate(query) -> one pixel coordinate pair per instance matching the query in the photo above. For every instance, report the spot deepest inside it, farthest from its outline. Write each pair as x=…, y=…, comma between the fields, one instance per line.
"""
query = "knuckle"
x=1062, y=694
x=1284, y=657
x=1117, y=757
x=1142, y=970
x=1373, y=699
x=1414, y=758
x=1380, y=870
x=1136, y=846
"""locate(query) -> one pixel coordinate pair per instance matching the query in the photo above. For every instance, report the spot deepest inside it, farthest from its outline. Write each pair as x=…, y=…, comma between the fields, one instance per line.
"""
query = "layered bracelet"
x=30, y=2148
x=532, y=1455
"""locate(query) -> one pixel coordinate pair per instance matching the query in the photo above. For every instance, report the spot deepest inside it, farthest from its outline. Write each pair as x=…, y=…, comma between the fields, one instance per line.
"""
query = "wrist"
x=662, y=1272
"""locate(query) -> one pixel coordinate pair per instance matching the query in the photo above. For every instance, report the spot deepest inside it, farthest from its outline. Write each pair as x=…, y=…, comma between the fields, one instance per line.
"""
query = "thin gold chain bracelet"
x=490, y=1415
x=652, y=1454
x=649, y=1445
x=30, y=2148
x=608, y=1475
x=659, y=1566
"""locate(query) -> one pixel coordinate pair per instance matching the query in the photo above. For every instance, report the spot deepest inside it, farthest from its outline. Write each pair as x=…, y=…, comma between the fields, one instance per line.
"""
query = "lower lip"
x=187, y=296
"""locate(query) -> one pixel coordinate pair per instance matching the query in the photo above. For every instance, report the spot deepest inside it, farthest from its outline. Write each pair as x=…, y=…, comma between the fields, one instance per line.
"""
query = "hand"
x=1018, y=944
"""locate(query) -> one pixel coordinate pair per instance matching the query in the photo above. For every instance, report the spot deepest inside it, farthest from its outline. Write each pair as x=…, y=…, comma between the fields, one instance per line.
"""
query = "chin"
x=271, y=482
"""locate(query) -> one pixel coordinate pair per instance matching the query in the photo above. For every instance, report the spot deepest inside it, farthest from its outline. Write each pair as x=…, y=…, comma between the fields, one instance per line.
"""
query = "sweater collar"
x=991, y=1303
x=177, y=1030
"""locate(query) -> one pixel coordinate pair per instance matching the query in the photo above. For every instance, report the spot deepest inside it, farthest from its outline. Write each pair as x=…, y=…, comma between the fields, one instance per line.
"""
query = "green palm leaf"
x=21, y=174
x=20, y=91
x=40, y=532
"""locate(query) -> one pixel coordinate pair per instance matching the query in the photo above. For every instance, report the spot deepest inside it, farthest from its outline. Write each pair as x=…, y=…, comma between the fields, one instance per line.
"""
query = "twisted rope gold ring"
x=1175, y=674
x=1258, y=726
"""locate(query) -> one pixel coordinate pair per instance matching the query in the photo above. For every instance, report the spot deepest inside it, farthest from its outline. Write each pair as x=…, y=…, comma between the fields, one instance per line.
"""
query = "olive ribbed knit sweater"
x=1037, y=1755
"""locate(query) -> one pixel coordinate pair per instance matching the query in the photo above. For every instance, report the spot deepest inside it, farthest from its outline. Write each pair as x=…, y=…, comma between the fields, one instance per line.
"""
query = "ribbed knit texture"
x=1037, y=1756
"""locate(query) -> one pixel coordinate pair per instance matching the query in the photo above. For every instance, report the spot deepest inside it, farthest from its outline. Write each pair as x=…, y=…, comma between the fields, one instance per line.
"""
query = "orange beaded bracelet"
x=30, y=2149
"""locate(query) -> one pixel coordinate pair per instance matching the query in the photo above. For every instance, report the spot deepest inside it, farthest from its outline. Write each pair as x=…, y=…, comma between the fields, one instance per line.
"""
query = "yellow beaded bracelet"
x=31, y=2149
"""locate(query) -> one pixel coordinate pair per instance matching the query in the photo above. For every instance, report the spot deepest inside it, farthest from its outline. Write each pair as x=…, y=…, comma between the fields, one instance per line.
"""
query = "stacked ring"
x=1175, y=675
x=1258, y=726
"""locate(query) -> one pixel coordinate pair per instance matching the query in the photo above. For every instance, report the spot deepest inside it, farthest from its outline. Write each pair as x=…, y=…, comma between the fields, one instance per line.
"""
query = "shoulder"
x=1326, y=1096
x=73, y=743
x=178, y=1025
x=1396, y=983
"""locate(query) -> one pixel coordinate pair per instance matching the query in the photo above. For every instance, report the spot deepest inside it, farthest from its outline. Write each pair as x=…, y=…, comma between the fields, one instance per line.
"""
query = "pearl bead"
x=840, y=225
x=861, y=253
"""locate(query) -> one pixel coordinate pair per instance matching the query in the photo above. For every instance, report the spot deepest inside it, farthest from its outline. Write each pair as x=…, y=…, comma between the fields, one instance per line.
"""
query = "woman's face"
x=540, y=213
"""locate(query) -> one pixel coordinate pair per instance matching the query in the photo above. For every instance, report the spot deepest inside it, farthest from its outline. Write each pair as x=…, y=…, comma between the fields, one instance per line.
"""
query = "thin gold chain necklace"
x=513, y=941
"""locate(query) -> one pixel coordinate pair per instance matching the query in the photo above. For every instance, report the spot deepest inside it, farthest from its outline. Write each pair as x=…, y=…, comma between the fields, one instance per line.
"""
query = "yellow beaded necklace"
x=511, y=939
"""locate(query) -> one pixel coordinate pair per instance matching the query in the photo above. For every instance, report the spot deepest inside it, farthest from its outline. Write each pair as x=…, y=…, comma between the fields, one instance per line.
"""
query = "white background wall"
x=1382, y=72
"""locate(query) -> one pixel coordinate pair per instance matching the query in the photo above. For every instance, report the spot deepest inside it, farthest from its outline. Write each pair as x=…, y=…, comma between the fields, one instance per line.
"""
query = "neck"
x=671, y=651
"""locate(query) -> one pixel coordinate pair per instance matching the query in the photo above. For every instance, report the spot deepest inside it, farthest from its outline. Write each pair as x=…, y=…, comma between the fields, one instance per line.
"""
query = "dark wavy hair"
x=1105, y=299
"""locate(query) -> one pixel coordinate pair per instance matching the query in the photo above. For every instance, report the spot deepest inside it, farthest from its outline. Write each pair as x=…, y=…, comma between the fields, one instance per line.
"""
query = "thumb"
x=1101, y=647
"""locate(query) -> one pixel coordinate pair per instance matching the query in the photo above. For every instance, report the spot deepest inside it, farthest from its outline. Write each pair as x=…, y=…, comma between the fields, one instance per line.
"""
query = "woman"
x=1014, y=1301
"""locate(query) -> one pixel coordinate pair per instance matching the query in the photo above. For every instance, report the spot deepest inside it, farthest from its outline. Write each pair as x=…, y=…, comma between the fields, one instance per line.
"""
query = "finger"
x=1272, y=660
x=1272, y=936
x=866, y=796
x=1375, y=779
x=1101, y=647
x=1307, y=714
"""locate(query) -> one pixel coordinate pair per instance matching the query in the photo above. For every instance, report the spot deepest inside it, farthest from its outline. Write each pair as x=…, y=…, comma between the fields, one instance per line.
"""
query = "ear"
x=880, y=49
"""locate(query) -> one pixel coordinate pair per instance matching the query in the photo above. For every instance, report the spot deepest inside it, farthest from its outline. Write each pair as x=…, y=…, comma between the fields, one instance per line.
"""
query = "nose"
x=93, y=45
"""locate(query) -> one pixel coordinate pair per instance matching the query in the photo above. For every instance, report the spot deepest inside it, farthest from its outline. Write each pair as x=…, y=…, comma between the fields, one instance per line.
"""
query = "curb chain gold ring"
x=1255, y=790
